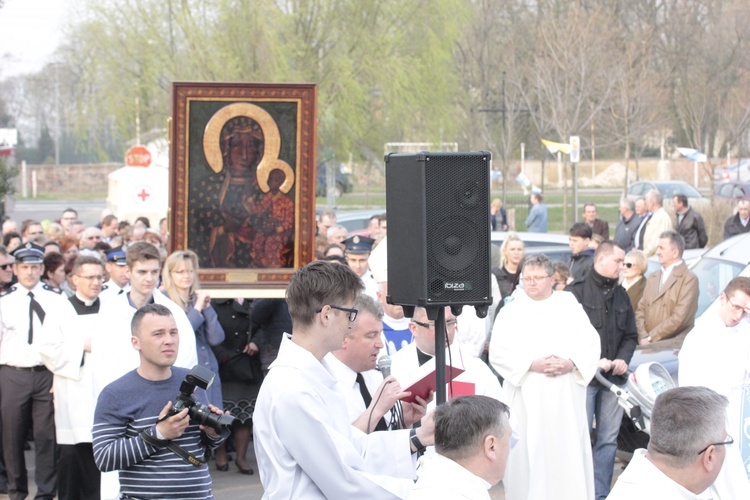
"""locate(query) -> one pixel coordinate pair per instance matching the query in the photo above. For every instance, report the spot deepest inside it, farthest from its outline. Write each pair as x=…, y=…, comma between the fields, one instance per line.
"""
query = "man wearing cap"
x=25, y=382
x=119, y=274
x=357, y=252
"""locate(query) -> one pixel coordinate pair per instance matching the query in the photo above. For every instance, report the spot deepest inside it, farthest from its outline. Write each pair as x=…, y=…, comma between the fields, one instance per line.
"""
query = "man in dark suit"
x=689, y=223
x=598, y=226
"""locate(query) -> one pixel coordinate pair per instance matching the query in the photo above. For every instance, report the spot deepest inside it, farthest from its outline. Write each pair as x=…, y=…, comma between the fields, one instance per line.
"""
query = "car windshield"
x=713, y=276
x=672, y=188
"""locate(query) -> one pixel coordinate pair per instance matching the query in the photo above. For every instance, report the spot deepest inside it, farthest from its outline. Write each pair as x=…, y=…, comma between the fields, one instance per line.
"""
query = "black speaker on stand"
x=438, y=207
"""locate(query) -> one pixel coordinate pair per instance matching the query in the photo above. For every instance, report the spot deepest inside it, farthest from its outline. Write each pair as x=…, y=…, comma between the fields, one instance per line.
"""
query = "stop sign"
x=138, y=156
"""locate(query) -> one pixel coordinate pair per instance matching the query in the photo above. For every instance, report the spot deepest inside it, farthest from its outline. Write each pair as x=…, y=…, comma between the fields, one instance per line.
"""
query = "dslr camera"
x=202, y=377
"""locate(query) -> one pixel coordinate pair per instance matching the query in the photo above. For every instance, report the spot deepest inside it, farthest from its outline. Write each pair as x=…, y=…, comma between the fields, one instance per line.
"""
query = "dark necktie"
x=34, y=307
x=382, y=426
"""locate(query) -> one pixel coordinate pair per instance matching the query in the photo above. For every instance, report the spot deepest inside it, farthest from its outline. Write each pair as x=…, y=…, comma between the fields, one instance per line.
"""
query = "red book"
x=427, y=382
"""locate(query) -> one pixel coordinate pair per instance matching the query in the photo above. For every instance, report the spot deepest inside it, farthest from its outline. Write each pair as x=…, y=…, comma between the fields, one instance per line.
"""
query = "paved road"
x=88, y=211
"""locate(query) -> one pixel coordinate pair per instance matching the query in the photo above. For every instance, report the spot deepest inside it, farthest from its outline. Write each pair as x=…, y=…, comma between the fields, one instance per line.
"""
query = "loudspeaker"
x=438, y=210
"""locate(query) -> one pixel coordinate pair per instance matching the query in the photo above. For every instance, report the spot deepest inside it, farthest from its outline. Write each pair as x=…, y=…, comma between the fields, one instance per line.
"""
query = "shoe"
x=222, y=468
x=247, y=472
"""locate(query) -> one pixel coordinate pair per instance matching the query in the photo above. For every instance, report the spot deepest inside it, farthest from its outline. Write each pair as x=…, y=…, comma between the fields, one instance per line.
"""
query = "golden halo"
x=271, y=165
x=271, y=139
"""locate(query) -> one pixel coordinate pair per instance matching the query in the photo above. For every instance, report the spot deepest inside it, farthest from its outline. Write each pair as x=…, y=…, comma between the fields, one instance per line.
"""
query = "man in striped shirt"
x=131, y=428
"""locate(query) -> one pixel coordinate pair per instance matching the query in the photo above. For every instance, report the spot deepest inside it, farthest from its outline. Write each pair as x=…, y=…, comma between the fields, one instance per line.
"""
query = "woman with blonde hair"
x=509, y=271
x=181, y=285
x=634, y=267
x=54, y=231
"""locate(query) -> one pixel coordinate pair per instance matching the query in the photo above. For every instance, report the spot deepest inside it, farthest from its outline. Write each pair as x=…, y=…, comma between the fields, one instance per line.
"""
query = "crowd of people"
x=93, y=318
x=102, y=327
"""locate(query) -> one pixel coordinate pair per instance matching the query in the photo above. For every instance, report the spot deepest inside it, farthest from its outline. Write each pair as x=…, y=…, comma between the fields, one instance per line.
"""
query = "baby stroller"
x=637, y=399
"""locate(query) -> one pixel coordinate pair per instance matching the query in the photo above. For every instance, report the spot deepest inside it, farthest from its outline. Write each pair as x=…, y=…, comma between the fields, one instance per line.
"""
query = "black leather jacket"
x=609, y=309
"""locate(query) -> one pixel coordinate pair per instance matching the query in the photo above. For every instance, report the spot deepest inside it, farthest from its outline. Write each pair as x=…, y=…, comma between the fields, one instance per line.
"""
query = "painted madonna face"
x=242, y=146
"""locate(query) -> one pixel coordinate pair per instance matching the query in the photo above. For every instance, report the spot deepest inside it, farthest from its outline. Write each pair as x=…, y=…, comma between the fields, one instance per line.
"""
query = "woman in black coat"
x=241, y=375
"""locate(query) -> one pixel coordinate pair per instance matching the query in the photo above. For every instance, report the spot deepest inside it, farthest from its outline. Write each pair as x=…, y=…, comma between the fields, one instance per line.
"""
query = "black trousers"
x=26, y=397
x=77, y=476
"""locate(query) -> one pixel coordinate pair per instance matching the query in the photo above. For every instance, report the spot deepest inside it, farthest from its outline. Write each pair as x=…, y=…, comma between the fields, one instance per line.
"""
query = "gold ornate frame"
x=286, y=114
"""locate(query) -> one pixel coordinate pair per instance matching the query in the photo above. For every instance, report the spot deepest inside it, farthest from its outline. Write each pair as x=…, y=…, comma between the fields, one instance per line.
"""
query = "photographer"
x=133, y=429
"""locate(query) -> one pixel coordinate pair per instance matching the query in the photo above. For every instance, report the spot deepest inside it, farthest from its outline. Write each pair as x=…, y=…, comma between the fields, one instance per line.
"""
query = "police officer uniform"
x=25, y=382
x=110, y=289
x=362, y=245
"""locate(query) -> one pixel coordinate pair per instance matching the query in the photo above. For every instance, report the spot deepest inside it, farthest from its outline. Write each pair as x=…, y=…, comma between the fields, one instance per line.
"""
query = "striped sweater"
x=125, y=408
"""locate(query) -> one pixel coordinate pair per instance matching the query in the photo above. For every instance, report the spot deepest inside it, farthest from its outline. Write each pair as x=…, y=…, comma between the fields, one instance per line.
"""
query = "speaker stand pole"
x=440, y=336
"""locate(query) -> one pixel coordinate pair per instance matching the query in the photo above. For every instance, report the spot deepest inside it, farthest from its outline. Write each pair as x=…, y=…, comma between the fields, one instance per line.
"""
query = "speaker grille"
x=457, y=239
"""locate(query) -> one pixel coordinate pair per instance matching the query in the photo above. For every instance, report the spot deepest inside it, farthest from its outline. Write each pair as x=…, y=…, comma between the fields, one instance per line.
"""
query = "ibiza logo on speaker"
x=458, y=286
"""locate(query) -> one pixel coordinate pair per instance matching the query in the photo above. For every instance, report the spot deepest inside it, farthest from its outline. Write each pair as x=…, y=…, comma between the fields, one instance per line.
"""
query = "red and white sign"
x=143, y=194
x=138, y=156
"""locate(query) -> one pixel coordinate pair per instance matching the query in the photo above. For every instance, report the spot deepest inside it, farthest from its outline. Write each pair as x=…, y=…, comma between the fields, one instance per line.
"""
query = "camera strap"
x=176, y=448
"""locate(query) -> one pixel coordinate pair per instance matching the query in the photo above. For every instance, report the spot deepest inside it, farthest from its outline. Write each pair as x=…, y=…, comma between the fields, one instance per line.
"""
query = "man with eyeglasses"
x=65, y=347
x=304, y=441
x=716, y=354
x=25, y=383
x=67, y=218
x=686, y=452
x=6, y=269
x=90, y=237
x=477, y=377
x=544, y=347
x=609, y=309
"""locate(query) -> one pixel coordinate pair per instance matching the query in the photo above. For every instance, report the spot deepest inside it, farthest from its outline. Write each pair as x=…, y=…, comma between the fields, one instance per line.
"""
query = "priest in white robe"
x=545, y=348
x=407, y=364
x=716, y=354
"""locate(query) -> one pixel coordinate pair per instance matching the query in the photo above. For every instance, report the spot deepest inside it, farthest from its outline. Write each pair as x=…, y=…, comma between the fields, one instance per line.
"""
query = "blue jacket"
x=536, y=222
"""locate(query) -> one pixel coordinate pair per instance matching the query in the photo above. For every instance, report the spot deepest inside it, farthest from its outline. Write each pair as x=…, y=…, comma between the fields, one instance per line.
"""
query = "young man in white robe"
x=545, y=348
x=688, y=445
x=304, y=442
x=716, y=354
x=472, y=440
x=65, y=347
x=112, y=354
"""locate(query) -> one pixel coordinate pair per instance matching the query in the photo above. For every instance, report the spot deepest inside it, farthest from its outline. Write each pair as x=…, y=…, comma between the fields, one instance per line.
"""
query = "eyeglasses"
x=451, y=323
x=352, y=312
x=5, y=267
x=97, y=277
x=534, y=279
x=727, y=442
x=628, y=264
x=93, y=237
x=736, y=307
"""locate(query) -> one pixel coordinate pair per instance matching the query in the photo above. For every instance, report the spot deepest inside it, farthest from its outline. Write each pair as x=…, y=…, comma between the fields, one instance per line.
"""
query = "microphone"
x=384, y=365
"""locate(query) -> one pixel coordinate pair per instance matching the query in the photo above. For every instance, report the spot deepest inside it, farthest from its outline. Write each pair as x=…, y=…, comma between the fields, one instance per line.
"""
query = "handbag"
x=241, y=368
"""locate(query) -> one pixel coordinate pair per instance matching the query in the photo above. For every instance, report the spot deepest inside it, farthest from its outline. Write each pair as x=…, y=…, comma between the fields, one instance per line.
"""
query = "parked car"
x=733, y=190
x=738, y=171
x=343, y=179
x=356, y=221
x=669, y=189
x=715, y=269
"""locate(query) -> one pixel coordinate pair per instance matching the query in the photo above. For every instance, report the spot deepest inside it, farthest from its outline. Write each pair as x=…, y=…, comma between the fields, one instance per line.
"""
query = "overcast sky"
x=30, y=30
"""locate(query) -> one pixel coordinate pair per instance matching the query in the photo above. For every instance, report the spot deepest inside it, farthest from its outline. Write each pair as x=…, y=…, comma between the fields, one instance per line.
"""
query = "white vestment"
x=642, y=480
x=306, y=446
x=477, y=378
x=472, y=331
x=552, y=459
x=61, y=345
x=718, y=357
x=441, y=477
